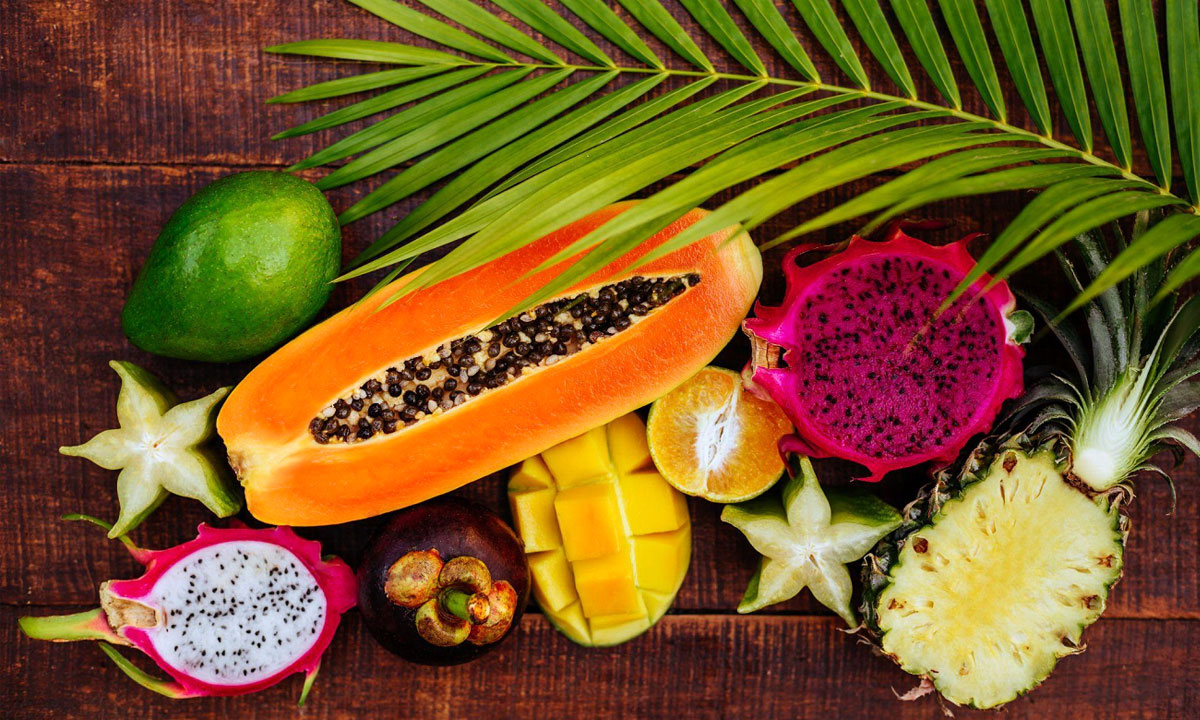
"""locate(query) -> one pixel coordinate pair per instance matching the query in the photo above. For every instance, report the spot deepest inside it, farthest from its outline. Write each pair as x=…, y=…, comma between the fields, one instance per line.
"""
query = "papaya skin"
x=290, y=479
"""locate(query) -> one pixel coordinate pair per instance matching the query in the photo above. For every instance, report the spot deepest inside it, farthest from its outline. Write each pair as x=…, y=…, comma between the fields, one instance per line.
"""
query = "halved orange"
x=712, y=438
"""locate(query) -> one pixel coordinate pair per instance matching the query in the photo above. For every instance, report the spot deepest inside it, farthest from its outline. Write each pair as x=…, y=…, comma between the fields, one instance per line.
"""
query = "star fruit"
x=159, y=449
x=807, y=539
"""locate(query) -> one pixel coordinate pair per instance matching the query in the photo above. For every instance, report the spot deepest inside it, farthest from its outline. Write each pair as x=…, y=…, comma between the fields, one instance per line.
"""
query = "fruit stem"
x=465, y=605
x=87, y=625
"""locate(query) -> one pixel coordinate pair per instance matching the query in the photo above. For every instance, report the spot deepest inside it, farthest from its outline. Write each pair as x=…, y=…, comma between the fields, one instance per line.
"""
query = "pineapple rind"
x=971, y=645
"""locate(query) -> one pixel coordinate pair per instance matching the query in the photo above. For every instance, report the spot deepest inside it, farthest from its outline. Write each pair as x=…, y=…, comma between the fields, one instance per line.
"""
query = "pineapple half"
x=1003, y=562
x=995, y=575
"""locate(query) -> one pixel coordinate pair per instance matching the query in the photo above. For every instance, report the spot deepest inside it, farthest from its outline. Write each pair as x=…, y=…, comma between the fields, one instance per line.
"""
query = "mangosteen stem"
x=465, y=605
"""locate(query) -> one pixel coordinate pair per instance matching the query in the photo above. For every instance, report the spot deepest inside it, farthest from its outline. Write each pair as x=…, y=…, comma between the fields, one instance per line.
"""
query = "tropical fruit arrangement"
x=568, y=342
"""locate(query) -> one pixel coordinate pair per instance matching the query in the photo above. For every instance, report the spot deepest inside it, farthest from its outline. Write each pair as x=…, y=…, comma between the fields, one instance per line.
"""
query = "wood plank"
x=81, y=234
x=159, y=82
x=704, y=666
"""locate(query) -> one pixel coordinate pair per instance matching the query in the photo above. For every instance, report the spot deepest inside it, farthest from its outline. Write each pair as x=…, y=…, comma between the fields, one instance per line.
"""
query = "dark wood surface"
x=111, y=114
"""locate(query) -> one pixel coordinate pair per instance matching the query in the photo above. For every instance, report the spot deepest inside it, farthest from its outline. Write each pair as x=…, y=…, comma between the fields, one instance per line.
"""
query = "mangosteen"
x=443, y=582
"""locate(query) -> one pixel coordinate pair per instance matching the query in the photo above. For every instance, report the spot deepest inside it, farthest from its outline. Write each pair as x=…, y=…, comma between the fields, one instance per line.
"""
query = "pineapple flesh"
x=989, y=590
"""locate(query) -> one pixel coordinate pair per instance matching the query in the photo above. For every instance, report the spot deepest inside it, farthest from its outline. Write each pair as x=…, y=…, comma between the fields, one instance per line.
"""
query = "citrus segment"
x=711, y=438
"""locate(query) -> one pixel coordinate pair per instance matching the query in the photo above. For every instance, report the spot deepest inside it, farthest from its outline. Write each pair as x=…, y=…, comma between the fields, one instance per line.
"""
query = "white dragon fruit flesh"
x=234, y=611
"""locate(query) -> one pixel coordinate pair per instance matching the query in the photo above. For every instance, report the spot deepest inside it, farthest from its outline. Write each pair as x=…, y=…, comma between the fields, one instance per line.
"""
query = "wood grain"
x=185, y=81
x=85, y=231
x=111, y=114
x=692, y=666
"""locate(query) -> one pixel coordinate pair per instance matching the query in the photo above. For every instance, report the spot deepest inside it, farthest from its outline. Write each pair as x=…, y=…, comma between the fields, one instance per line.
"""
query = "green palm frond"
x=536, y=114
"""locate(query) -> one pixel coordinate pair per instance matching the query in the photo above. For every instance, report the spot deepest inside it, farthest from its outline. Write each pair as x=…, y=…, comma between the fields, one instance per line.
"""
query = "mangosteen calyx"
x=456, y=600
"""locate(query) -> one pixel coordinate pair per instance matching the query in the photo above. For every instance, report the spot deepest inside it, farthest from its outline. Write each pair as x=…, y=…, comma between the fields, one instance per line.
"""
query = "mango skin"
x=242, y=266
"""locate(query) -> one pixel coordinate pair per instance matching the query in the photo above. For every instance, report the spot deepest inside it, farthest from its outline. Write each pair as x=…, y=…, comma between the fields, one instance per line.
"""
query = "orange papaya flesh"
x=292, y=479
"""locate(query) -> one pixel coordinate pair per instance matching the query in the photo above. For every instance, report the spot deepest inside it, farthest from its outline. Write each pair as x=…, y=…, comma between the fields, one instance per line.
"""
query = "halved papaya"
x=376, y=409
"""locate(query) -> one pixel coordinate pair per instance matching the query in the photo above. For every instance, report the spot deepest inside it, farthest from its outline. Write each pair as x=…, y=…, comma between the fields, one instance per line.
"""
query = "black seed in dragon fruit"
x=872, y=372
x=234, y=611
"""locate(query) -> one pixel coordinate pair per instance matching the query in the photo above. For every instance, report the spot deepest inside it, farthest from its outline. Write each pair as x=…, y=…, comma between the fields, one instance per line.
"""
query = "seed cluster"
x=461, y=369
x=887, y=375
x=237, y=612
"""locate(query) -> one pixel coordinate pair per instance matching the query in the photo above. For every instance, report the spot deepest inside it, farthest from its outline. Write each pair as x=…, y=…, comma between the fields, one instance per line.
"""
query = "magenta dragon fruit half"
x=234, y=611
x=873, y=373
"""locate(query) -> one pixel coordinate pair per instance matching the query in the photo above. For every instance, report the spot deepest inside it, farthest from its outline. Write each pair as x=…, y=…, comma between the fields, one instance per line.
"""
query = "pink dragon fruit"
x=234, y=611
x=874, y=374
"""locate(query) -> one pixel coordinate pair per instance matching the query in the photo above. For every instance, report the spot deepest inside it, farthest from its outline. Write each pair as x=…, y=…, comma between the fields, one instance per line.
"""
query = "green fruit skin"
x=242, y=266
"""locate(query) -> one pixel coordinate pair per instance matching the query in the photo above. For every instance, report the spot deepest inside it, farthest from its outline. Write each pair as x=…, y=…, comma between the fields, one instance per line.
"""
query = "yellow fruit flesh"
x=623, y=534
x=985, y=600
x=711, y=438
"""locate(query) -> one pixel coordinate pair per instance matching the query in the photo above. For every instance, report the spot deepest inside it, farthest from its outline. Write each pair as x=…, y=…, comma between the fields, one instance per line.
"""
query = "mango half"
x=609, y=541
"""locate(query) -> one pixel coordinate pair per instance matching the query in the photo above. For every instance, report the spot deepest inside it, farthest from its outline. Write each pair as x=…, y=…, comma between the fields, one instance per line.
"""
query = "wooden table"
x=111, y=114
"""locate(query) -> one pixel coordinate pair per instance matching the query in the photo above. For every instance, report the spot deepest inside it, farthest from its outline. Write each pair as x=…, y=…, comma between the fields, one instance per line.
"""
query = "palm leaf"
x=824, y=25
x=521, y=153
x=1062, y=57
x=536, y=15
x=922, y=33
x=1146, y=79
x=1016, y=44
x=963, y=20
x=868, y=19
x=1183, y=56
x=431, y=28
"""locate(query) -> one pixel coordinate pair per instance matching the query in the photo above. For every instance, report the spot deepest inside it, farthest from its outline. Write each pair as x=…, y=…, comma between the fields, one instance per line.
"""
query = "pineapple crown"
x=1134, y=367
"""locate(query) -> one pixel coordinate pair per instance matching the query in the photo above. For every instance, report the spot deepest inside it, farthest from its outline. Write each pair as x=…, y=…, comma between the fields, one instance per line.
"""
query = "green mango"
x=242, y=266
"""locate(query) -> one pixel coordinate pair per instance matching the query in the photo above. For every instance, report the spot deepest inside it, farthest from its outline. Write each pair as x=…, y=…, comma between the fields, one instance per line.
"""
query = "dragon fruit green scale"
x=233, y=611
x=873, y=373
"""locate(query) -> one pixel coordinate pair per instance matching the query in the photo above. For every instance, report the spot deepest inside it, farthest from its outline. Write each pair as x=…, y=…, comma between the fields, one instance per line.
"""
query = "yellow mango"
x=660, y=559
x=589, y=521
x=605, y=585
x=579, y=460
x=531, y=475
x=627, y=444
x=651, y=505
x=553, y=583
x=571, y=622
x=657, y=603
x=533, y=513
x=614, y=629
x=623, y=540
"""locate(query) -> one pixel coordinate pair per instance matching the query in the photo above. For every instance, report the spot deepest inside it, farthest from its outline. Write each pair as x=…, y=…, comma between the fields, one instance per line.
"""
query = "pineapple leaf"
x=1067, y=336
x=1180, y=401
x=527, y=136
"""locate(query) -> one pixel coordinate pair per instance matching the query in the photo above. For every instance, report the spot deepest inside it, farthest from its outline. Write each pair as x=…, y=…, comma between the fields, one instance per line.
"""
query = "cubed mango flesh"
x=589, y=520
x=613, y=629
x=661, y=559
x=627, y=444
x=605, y=585
x=607, y=621
x=657, y=603
x=530, y=475
x=533, y=513
x=579, y=460
x=553, y=582
x=623, y=538
x=571, y=622
x=651, y=505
